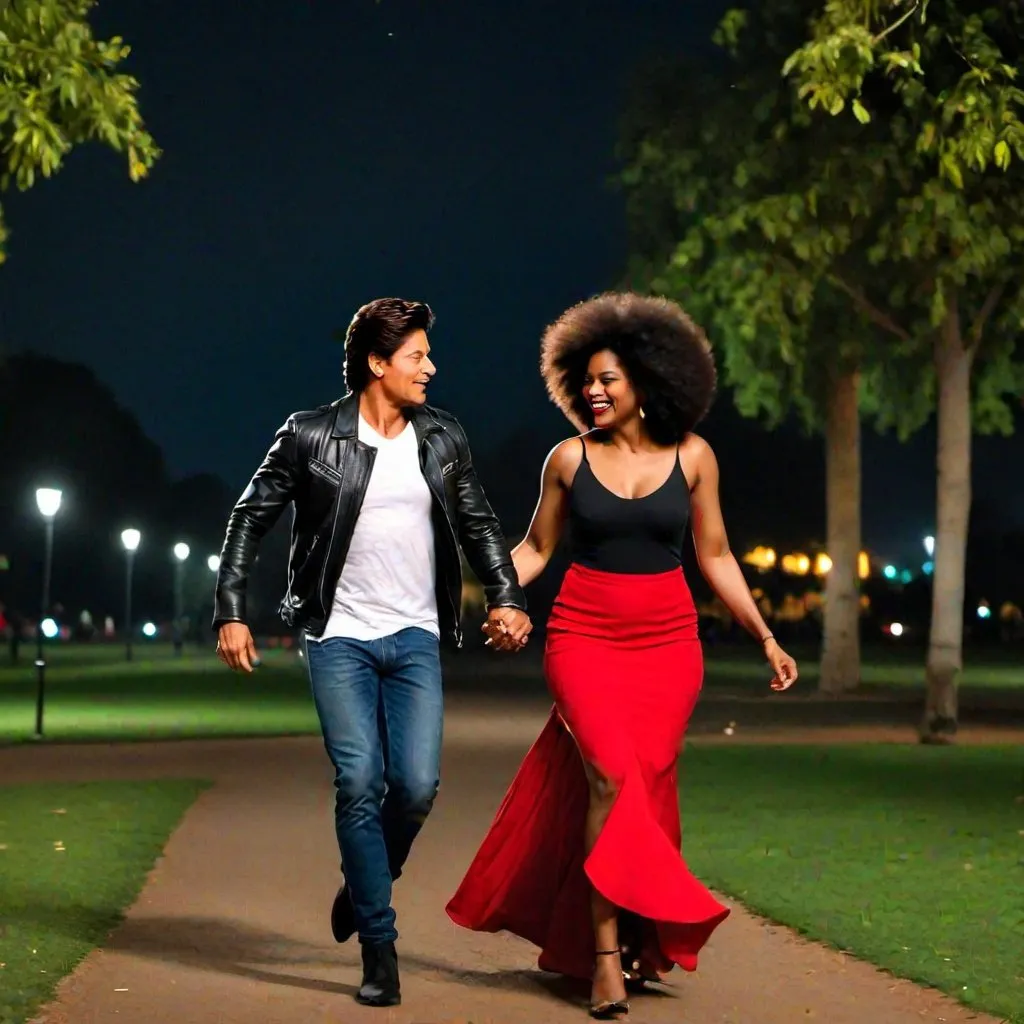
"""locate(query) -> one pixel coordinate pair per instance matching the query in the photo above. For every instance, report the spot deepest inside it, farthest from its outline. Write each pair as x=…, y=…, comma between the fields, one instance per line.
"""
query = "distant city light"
x=796, y=564
x=49, y=628
x=896, y=628
x=131, y=539
x=48, y=501
x=906, y=576
x=149, y=629
x=984, y=612
x=928, y=568
x=822, y=564
x=863, y=565
x=213, y=563
x=181, y=551
x=929, y=546
x=889, y=572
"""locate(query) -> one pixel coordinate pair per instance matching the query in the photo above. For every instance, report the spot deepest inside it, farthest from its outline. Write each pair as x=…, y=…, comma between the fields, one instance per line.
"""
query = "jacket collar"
x=346, y=418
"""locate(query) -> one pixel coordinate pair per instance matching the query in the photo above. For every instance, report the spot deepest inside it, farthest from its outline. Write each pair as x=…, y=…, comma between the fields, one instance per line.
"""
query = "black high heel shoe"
x=609, y=1009
x=631, y=933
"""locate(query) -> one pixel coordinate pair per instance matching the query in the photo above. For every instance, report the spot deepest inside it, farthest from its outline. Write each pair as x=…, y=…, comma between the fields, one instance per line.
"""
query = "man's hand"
x=236, y=647
x=507, y=629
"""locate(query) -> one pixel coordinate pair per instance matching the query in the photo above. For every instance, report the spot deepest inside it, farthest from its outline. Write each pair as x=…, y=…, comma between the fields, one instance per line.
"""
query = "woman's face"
x=608, y=392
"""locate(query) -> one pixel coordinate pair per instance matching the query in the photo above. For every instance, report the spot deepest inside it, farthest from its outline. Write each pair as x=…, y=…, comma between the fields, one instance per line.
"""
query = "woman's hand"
x=782, y=665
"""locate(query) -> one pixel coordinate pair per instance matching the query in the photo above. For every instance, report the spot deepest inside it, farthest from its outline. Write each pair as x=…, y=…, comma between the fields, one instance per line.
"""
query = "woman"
x=583, y=856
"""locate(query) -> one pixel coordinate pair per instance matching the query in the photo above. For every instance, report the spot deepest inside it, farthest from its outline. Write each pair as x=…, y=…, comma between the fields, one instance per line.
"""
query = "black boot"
x=380, y=985
x=343, y=916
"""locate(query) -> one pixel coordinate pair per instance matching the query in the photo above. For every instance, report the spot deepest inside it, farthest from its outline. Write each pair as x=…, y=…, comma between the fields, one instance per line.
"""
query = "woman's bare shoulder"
x=694, y=446
x=565, y=458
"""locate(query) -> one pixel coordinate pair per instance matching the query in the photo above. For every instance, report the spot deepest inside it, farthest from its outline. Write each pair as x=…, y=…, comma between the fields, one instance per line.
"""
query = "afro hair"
x=664, y=353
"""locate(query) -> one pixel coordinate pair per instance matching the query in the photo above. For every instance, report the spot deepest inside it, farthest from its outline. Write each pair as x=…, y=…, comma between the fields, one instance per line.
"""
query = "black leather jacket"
x=319, y=466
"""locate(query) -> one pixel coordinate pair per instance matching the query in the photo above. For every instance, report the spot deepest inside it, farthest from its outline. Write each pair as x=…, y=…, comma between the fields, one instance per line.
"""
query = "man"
x=383, y=493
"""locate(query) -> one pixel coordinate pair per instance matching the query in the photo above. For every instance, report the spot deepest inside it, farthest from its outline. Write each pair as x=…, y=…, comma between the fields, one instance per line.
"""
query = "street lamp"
x=48, y=502
x=181, y=553
x=131, y=540
x=929, y=546
x=213, y=563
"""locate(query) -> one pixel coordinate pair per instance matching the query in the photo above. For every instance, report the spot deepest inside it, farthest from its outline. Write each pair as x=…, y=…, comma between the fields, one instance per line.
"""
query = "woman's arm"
x=718, y=564
x=532, y=554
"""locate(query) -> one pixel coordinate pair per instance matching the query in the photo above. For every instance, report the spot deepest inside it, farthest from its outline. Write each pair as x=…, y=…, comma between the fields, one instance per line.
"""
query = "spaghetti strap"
x=583, y=445
x=682, y=468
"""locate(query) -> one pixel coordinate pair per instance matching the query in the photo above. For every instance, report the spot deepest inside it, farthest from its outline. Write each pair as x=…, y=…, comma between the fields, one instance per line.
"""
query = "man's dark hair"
x=379, y=328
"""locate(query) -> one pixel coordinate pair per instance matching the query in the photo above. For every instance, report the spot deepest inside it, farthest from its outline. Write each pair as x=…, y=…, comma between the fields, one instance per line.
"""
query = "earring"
x=643, y=415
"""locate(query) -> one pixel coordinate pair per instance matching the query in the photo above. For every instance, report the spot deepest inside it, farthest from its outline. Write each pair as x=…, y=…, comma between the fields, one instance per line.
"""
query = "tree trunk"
x=840, y=657
x=953, y=505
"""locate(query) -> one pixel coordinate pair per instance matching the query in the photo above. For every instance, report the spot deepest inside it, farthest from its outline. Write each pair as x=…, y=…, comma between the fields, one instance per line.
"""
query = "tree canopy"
x=60, y=87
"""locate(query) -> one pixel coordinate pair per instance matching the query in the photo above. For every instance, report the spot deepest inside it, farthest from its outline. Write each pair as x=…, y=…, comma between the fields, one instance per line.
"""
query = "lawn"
x=93, y=694
x=72, y=858
x=890, y=666
x=908, y=857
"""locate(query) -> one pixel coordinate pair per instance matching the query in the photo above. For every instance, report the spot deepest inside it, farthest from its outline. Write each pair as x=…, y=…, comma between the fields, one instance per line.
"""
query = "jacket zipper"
x=456, y=615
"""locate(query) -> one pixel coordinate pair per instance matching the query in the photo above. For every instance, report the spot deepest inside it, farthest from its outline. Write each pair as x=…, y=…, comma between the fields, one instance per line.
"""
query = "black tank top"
x=627, y=535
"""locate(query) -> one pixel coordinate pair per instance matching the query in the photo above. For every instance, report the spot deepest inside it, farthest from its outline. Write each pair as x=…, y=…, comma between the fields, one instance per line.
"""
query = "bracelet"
x=765, y=639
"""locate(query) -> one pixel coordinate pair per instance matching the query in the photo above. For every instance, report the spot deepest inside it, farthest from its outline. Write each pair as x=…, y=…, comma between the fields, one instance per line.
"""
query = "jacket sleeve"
x=269, y=493
x=481, y=536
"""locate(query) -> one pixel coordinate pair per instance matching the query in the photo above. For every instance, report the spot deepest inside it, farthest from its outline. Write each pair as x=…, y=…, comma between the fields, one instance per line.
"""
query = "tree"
x=60, y=87
x=720, y=183
x=944, y=77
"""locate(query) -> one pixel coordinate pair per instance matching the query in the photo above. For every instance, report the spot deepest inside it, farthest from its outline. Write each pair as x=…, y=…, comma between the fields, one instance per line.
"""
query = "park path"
x=232, y=924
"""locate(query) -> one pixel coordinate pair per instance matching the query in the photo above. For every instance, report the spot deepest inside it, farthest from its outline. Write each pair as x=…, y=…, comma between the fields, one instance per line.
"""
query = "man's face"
x=405, y=376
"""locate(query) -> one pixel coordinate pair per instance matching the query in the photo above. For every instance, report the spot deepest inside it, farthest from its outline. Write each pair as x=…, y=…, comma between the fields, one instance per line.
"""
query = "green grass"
x=909, y=857
x=58, y=904
x=91, y=696
x=890, y=667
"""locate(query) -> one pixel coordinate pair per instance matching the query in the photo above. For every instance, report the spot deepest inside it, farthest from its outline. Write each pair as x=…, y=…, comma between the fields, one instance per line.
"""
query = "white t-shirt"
x=387, y=582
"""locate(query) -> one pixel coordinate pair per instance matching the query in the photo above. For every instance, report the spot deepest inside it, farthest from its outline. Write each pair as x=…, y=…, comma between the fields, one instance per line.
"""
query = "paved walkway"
x=232, y=925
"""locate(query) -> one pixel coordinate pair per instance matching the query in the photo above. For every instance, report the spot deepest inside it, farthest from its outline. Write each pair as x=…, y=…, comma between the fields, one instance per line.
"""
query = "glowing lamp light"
x=48, y=501
x=822, y=564
x=984, y=611
x=149, y=630
x=863, y=565
x=213, y=563
x=896, y=628
x=906, y=576
x=928, y=568
x=181, y=551
x=889, y=572
x=761, y=558
x=131, y=539
x=929, y=546
x=796, y=564
x=49, y=628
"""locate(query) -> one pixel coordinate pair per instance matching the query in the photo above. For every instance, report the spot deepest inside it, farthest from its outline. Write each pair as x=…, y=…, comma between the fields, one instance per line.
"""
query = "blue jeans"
x=381, y=711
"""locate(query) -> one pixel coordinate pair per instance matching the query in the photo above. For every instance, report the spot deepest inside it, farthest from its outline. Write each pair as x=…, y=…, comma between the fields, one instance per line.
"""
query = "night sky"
x=318, y=154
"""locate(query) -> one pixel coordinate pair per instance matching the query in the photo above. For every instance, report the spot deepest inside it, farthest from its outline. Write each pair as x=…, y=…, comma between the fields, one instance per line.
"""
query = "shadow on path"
x=234, y=948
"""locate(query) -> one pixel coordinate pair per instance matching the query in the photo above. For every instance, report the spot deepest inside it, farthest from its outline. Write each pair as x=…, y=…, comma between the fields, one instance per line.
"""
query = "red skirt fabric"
x=624, y=665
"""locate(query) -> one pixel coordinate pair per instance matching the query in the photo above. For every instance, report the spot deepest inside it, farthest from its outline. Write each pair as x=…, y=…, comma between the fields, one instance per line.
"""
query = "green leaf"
x=860, y=112
x=1002, y=155
x=61, y=87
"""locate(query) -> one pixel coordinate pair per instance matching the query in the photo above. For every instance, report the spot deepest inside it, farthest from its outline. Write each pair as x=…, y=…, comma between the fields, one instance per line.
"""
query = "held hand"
x=507, y=629
x=236, y=647
x=782, y=665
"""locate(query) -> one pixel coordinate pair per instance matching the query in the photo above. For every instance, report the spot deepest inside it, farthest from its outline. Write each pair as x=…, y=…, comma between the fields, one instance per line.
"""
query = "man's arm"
x=269, y=493
x=481, y=536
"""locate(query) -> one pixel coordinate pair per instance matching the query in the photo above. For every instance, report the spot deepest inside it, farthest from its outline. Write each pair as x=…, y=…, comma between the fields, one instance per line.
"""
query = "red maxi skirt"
x=624, y=665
